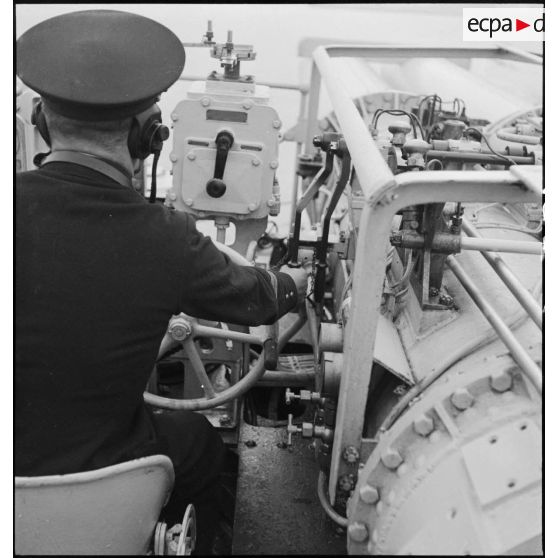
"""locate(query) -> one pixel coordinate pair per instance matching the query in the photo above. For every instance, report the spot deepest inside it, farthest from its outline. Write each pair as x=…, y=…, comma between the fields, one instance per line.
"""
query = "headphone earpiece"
x=38, y=119
x=147, y=133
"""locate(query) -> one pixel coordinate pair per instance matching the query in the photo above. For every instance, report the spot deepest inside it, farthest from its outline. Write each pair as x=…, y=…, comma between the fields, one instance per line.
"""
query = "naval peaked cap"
x=99, y=64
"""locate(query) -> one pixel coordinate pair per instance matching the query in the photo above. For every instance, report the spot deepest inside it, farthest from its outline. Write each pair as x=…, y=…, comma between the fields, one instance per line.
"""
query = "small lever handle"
x=215, y=187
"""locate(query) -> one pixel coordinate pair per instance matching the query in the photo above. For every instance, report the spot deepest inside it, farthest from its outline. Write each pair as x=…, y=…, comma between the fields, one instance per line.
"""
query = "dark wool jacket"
x=99, y=272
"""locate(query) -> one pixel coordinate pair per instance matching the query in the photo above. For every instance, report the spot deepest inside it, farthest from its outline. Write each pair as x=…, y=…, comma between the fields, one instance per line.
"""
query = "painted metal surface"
x=375, y=222
x=107, y=511
x=464, y=461
x=384, y=195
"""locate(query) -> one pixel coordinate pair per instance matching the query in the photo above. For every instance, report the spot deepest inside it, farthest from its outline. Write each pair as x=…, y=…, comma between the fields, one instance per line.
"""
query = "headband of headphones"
x=146, y=136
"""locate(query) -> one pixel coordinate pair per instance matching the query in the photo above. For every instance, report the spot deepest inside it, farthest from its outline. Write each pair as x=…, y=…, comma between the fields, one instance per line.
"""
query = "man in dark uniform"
x=99, y=270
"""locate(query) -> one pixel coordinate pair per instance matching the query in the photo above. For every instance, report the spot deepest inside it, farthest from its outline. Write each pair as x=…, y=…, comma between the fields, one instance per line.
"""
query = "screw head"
x=351, y=454
x=256, y=162
x=252, y=207
x=277, y=123
x=174, y=116
x=173, y=157
x=391, y=458
x=189, y=202
x=205, y=101
x=423, y=425
x=273, y=164
x=346, y=483
x=462, y=398
x=191, y=156
x=369, y=494
x=501, y=381
x=358, y=532
x=247, y=105
x=172, y=196
x=180, y=331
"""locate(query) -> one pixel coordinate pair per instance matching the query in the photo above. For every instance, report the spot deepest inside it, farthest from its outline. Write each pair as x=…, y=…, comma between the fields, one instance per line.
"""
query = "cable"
x=475, y=131
x=339, y=519
x=153, y=193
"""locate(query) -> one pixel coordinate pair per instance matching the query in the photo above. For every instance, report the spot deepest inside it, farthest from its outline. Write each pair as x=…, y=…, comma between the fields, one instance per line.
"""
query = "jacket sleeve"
x=214, y=288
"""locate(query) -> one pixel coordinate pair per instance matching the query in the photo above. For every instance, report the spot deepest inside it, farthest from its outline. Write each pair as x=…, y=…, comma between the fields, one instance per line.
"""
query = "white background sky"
x=275, y=29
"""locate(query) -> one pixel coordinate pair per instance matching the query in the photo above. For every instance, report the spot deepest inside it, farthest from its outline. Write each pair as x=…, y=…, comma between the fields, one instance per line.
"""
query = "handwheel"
x=184, y=330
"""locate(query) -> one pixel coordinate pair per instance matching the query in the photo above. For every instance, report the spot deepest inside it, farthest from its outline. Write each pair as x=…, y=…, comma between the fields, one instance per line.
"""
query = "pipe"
x=499, y=245
x=523, y=296
x=279, y=378
x=339, y=519
x=234, y=391
x=509, y=134
x=519, y=354
x=478, y=157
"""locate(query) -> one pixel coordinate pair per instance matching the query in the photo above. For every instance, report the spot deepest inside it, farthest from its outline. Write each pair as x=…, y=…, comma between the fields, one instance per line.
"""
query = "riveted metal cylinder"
x=462, y=398
x=358, y=532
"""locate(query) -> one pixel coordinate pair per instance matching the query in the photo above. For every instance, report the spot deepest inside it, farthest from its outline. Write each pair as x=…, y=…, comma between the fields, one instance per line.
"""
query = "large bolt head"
x=462, y=398
x=369, y=494
x=391, y=458
x=358, y=532
x=423, y=425
x=501, y=381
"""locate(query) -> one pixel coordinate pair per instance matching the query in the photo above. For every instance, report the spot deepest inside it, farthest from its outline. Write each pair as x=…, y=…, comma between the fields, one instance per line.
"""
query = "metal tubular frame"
x=386, y=194
x=501, y=245
x=523, y=296
x=518, y=353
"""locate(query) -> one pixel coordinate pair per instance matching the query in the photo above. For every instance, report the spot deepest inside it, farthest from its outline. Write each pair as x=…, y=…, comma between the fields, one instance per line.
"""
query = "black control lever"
x=215, y=187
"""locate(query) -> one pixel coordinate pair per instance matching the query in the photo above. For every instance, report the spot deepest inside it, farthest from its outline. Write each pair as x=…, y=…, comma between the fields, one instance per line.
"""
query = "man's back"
x=99, y=272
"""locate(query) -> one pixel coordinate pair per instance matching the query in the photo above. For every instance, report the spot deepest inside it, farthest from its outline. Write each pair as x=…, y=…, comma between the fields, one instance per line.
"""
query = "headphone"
x=146, y=136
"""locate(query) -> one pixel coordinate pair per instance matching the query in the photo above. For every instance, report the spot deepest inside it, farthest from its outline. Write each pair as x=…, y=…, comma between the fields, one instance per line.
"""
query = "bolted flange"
x=358, y=531
x=501, y=381
x=423, y=425
x=369, y=494
x=462, y=398
x=391, y=458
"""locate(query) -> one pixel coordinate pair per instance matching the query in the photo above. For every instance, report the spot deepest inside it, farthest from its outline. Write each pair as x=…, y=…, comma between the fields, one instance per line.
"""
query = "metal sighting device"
x=225, y=147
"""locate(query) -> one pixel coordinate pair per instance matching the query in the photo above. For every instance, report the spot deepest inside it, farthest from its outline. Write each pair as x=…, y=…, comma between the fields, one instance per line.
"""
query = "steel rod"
x=199, y=369
x=204, y=331
x=421, y=51
x=501, y=245
x=523, y=296
x=271, y=84
x=519, y=354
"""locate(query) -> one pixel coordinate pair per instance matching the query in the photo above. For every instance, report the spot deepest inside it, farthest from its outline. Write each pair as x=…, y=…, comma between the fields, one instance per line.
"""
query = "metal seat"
x=112, y=510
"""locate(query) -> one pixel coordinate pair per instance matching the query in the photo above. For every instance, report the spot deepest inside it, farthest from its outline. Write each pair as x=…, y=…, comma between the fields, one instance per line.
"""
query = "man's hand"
x=300, y=276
